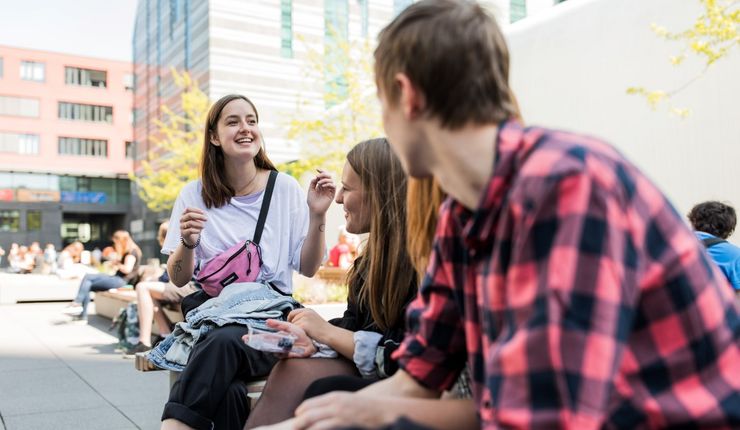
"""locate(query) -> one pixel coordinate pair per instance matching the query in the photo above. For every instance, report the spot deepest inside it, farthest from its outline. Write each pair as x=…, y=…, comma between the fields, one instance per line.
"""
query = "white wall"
x=572, y=64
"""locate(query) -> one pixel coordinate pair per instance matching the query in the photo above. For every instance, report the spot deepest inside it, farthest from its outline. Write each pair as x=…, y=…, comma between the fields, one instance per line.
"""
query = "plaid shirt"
x=578, y=297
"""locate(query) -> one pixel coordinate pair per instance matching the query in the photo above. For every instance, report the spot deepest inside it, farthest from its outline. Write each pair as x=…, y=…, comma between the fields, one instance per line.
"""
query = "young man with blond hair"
x=560, y=275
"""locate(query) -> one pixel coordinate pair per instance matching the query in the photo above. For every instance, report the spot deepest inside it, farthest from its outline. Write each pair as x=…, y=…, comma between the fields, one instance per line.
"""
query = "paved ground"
x=55, y=374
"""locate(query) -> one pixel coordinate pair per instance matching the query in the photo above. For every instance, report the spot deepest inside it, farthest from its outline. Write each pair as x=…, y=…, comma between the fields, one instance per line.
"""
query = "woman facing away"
x=127, y=272
x=381, y=282
x=211, y=215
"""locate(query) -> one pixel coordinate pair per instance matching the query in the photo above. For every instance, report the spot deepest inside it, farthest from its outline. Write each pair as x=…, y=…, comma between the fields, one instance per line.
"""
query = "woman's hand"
x=321, y=193
x=310, y=321
x=192, y=222
x=303, y=341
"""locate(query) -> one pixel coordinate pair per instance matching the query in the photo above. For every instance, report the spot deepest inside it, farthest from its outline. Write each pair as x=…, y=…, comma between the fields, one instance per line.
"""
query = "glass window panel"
x=10, y=221
x=34, y=181
x=33, y=220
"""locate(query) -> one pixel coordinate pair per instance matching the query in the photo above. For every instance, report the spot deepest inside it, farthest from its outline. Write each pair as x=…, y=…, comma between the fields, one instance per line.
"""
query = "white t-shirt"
x=282, y=239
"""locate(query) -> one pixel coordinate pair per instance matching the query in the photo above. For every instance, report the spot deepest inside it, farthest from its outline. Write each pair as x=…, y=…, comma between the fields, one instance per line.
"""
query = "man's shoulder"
x=555, y=151
x=557, y=155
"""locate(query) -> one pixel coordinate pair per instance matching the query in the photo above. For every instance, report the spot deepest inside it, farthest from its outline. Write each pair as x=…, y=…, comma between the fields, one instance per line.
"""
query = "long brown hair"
x=423, y=199
x=216, y=190
x=385, y=265
x=125, y=243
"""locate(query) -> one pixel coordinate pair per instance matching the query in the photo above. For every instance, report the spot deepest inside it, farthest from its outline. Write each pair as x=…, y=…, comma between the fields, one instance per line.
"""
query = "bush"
x=315, y=291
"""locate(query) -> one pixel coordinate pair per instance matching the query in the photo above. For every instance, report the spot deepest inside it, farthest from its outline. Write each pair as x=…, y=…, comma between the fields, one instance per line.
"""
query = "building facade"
x=65, y=132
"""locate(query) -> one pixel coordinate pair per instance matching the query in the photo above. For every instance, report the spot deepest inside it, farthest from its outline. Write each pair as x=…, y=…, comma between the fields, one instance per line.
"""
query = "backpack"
x=127, y=326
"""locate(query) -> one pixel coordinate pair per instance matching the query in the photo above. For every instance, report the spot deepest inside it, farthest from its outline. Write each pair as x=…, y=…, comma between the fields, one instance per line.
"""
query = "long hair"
x=123, y=243
x=384, y=271
x=423, y=199
x=216, y=190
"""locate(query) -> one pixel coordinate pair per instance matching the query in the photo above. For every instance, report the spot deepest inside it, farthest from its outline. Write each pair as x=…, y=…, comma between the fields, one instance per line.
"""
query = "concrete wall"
x=572, y=64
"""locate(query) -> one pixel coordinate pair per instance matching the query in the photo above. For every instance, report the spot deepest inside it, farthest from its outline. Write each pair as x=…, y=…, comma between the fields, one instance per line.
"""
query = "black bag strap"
x=265, y=207
x=711, y=241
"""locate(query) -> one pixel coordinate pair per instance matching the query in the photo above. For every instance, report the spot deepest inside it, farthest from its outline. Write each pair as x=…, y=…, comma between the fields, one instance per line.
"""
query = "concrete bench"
x=142, y=364
x=15, y=288
x=109, y=304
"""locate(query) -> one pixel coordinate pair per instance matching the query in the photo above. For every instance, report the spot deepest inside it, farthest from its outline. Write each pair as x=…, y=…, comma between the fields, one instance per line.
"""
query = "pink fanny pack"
x=243, y=261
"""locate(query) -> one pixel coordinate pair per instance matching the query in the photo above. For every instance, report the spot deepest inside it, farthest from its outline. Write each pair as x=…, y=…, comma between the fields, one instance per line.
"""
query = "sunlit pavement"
x=61, y=375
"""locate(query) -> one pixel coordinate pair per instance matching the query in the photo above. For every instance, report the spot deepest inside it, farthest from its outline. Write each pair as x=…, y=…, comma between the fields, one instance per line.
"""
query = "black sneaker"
x=156, y=339
x=139, y=347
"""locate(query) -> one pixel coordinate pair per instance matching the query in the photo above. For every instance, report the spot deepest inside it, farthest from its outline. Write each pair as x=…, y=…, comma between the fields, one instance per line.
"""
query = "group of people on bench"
x=541, y=262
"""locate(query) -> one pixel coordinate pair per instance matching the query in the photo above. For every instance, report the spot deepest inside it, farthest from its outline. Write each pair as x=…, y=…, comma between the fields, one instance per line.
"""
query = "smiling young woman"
x=211, y=215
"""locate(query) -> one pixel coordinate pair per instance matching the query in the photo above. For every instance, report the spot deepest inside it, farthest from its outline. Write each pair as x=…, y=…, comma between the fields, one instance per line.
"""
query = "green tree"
x=173, y=160
x=351, y=112
x=711, y=37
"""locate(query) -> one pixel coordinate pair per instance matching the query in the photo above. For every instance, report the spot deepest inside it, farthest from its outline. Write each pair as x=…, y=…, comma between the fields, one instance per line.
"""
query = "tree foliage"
x=173, y=160
x=350, y=111
x=713, y=35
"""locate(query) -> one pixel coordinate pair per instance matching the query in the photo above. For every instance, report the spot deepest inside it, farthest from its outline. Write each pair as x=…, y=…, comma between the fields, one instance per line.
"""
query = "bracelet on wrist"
x=185, y=244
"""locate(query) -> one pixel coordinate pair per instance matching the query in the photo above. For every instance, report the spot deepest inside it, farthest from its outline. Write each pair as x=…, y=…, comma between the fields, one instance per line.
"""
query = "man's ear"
x=214, y=139
x=412, y=100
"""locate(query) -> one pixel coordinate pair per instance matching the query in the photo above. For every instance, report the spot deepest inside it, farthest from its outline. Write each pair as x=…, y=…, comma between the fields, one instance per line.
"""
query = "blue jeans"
x=96, y=282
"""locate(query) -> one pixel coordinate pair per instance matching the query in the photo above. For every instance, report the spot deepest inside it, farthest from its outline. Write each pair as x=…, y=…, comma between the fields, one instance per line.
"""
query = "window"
x=83, y=147
x=85, y=77
x=517, y=10
x=286, y=28
x=400, y=5
x=336, y=31
x=33, y=220
x=33, y=181
x=131, y=150
x=364, y=15
x=10, y=221
x=128, y=81
x=25, y=144
x=174, y=16
x=82, y=112
x=33, y=71
x=19, y=106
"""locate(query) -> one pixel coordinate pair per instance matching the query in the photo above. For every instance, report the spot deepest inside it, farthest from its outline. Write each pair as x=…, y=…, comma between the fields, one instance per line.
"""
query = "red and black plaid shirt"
x=578, y=297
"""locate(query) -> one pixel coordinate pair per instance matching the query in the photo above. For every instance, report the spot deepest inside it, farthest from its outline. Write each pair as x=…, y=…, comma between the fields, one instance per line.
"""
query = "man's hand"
x=285, y=425
x=342, y=409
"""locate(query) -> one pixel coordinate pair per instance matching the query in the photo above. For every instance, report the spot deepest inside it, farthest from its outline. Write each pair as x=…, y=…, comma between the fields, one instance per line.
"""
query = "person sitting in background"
x=37, y=255
x=713, y=223
x=24, y=261
x=14, y=258
x=344, y=252
x=127, y=271
x=50, y=259
x=68, y=262
x=150, y=296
